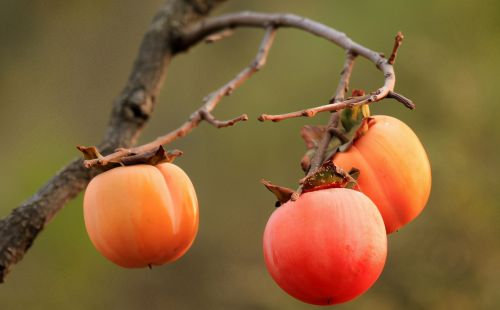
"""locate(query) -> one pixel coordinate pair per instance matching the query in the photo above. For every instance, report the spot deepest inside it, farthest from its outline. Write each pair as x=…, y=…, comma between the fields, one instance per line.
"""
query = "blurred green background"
x=63, y=62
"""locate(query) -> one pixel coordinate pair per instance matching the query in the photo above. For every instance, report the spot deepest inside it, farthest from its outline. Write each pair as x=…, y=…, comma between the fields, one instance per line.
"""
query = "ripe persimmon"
x=327, y=247
x=141, y=215
x=395, y=171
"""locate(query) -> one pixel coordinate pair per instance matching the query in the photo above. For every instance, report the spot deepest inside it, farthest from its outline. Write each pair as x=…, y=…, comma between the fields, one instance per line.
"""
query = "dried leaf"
x=172, y=155
x=354, y=123
x=89, y=152
x=312, y=135
x=354, y=173
x=283, y=194
x=305, y=162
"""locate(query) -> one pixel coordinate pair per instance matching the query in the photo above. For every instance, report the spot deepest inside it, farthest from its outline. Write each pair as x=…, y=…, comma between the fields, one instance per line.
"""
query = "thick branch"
x=130, y=112
x=204, y=112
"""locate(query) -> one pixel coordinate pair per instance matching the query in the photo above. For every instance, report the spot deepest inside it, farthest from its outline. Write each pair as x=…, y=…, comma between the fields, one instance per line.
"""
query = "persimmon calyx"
x=153, y=158
x=328, y=175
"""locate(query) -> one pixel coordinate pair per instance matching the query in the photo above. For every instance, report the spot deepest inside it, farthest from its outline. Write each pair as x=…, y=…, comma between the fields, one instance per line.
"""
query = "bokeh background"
x=63, y=62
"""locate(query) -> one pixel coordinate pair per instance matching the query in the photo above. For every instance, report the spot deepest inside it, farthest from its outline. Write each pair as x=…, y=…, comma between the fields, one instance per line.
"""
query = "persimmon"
x=327, y=247
x=141, y=215
x=394, y=169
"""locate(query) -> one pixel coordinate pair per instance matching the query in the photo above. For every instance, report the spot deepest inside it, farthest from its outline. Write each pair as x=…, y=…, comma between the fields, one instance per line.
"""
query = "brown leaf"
x=305, y=162
x=89, y=152
x=283, y=194
x=172, y=155
x=312, y=135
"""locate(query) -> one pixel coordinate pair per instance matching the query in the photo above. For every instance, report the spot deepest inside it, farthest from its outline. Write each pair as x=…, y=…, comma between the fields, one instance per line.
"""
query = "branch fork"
x=204, y=113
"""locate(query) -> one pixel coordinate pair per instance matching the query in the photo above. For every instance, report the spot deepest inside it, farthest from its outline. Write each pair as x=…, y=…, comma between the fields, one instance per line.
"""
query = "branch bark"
x=130, y=112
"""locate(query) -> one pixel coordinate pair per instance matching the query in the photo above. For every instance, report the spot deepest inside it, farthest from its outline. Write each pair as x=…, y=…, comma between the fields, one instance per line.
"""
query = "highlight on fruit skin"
x=395, y=170
x=327, y=247
x=141, y=215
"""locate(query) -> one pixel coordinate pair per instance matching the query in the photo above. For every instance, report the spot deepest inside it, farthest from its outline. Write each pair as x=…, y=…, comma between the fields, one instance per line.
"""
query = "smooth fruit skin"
x=141, y=215
x=327, y=247
x=395, y=170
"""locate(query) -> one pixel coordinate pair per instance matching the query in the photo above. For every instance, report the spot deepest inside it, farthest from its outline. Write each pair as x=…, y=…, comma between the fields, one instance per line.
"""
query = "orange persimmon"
x=395, y=171
x=141, y=215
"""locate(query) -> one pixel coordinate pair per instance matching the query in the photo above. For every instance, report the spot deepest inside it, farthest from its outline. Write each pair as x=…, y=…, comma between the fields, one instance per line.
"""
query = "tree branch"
x=173, y=30
x=203, y=113
x=331, y=129
x=130, y=112
x=342, y=88
x=405, y=101
x=252, y=19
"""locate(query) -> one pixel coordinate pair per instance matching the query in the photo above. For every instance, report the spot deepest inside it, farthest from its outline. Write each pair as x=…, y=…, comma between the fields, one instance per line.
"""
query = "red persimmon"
x=327, y=247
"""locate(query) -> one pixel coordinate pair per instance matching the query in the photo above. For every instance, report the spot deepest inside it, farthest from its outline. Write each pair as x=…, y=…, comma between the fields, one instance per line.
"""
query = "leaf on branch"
x=89, y=152
x=352, y=122
x=351, y=117
x=329, y=175
x=305, y=162
x=312, y=135
x=172, y=155
x=283, y=194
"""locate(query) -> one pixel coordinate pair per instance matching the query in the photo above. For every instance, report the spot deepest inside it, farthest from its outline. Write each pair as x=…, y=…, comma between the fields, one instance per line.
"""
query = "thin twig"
x=345, y=78
x=397, y=43
x=342, y=88
x=209, y=118
x=203, y=113
x=407, y=102
x=310, y=112
x=349, y=103
x=252, y=19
